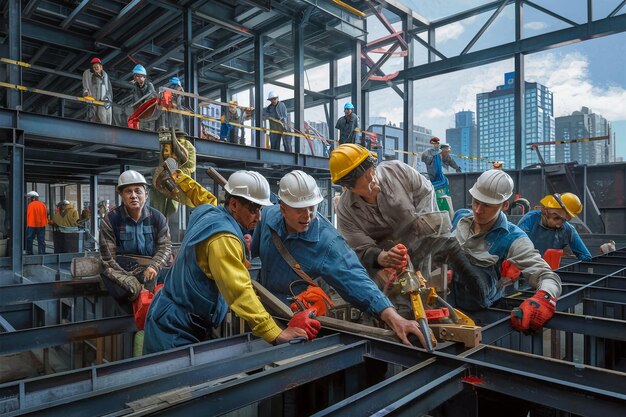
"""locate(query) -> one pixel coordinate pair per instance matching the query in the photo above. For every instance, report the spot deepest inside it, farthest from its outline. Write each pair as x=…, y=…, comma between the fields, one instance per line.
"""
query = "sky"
x=589, y=73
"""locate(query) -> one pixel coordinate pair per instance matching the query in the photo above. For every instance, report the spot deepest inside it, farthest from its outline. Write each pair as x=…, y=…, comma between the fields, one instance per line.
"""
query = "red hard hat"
x=434, y=140
x=96, y=61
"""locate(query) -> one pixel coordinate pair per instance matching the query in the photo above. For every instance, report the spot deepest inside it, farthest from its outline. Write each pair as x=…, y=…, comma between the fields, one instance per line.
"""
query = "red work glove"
x=534, y=312
x=305, y=321
x=313, y=297
x=509, y=270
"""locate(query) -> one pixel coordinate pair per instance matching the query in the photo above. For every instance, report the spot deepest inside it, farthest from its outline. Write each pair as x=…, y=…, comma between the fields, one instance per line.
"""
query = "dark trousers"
x=40, y=233
x=275, y=142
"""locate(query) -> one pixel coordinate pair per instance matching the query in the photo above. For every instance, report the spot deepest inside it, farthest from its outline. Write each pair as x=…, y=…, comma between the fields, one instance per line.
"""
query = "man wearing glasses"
x=491, y=241
x=210, y=274
x=549, y=227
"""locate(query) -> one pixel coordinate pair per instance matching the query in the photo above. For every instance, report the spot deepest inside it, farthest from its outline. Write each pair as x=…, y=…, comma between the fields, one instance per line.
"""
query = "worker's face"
x=134, y=196
x=232, y=109
x=436, y=145
x=347, y=112
x=367, y=185
x=97, y=68
x=553, y=218
x=486, y=213
x=139, y=79
x=274, y=101
x=166, y=151
x=298, y=220
x=245, y=212
x=445, y=151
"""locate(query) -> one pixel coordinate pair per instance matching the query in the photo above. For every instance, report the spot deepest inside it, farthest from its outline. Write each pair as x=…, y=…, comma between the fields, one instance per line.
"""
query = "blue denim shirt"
x=544, y=238
x=320, y=251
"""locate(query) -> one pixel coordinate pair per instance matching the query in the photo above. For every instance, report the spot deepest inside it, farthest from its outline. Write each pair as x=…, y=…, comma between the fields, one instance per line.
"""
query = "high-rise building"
x=463, y=140
x=579, y=125
x=496, y=123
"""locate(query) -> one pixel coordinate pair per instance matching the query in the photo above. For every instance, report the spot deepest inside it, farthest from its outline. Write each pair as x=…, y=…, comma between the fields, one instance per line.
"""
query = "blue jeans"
x=31, y=232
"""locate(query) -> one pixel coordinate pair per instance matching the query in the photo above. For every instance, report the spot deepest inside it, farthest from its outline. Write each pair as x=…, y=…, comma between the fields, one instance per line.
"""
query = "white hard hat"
x=298, y=189
x=493, y=187
x=65, y=202
x=250, y=185
x=32, y=194
x=130, y=177
x=271, y=95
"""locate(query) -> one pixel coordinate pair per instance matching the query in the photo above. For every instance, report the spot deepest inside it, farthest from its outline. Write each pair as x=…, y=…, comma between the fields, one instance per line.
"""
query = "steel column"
x=14, y=18
x=191, y=69
x=356, y=76
x=298, y=81
x=17, y=186
x=259, y=83
x=407, y=103
x=520, y=92
x=332, y=112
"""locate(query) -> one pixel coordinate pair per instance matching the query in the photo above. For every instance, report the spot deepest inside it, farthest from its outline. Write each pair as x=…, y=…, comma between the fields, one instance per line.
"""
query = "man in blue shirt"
x=549, y=227
x=319, y=250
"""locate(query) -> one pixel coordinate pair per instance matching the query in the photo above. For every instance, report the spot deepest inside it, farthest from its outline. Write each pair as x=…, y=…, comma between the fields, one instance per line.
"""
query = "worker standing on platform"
x=446, y=159
x=347, y=125
x=143, y=90
x=549, y=227
x=67, y=216
x=167, y=120
x=135, y=242
x=386, y=204
x=294, y=226
x=96, y=85
x=228, y=132
x=210, y=274
x=36, y=221
x=434, y=160
x=279, y=118
x=494, y=245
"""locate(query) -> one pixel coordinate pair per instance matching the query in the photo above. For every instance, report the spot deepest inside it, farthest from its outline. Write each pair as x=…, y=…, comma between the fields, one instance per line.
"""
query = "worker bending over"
x=210, y=274
x=492, y=243
x=294, y=226
x=549, y=227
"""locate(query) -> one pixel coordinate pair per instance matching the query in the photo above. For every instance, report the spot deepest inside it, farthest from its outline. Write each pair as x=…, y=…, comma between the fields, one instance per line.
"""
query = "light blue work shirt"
x=545, y=238
x=321, y=252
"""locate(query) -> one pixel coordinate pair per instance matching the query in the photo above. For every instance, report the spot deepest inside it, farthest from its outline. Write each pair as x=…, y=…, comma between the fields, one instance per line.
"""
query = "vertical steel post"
x=407, y=105
x=520, y=90
x=332, y=113
x=357, y=76
x=298, y=80
x=14, y=97
x=93, y=197
x=17, y=187
x=259, y=82
x=191, y=69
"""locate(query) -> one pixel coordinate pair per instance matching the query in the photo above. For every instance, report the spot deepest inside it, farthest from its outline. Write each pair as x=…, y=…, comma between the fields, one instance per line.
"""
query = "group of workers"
x=387, y=218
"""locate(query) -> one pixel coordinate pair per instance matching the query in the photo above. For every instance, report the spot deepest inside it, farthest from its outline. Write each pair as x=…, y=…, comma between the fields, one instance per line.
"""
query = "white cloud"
x=535, y=25
x=449, y=32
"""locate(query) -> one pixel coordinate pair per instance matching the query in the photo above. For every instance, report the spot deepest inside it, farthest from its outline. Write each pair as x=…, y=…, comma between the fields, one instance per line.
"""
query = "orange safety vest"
x=36, y=214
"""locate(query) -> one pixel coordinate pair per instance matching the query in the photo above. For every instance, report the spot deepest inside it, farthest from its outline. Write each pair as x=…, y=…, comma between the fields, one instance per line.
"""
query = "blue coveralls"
x=544, y=238
x=183, y=312
x=320, y=251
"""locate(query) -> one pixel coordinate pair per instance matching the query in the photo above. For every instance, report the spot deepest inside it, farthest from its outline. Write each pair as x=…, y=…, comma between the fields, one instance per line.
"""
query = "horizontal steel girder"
x=42, y=337
x=27, y=293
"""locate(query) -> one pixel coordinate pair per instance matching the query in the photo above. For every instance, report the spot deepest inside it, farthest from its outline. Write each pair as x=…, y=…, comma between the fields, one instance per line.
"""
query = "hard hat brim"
x=476, y=194
x=305, y=203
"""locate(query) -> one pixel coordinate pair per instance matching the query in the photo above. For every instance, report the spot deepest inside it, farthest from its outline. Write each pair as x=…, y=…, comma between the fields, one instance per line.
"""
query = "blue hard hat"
x=348, y=105
x=175, y=81
x=139, y=69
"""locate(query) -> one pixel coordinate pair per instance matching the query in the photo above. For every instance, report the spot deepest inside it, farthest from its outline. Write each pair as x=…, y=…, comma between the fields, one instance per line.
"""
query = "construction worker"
x=549, y=227
x=135, y=242
x=210, y=274
x=143, y=90
x=493, y=244
x=385, y=205
x=36, y=221
x=96, y=85
x=320, y=252
x=347, y=124
x=279, y=120
x=67, y=216
x=446, y=159
x=228, y=132
x=433, y=158
x=173, y=145
x=168, y=120
x=497, y=164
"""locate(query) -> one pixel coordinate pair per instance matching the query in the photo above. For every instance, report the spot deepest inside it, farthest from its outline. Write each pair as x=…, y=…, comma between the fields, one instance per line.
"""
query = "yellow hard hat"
x=566, y=201
x=344, y=159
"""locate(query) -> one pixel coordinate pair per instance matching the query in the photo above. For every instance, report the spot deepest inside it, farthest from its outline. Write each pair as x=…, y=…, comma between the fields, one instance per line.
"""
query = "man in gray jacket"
x=277, y=113
x=96, y=84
